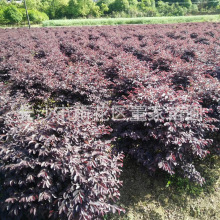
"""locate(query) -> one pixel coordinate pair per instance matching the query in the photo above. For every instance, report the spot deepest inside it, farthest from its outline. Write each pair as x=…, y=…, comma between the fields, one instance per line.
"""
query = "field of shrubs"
x=76, y=102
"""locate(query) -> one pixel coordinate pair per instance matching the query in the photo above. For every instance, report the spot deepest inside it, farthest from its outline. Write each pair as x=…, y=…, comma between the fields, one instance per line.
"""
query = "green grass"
x=144, y=20
x=118, y=21
x=20, y=26
x=162, y=197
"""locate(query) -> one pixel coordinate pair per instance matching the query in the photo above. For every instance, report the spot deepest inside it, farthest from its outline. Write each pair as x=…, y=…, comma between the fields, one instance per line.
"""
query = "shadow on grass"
x=163, y=196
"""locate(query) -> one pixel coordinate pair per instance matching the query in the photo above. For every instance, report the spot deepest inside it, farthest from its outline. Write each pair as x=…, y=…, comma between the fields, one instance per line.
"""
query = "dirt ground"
x=156, y=198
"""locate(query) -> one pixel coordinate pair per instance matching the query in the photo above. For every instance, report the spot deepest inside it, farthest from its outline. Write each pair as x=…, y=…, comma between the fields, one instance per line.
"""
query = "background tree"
x=37, y=17
x=34, y=4
x=193, y=9
x=57, y=8
x=133, y=4
x=163, y=8
x=178, y=10
x=187, y=3
x=182, y=3
x=119, y=6
x=72, y=9
x=104, y=6
x=213, y=3
x=82, y=8
x=2, y=19
x=3, y=5
x=12, y=14
x=146, y=4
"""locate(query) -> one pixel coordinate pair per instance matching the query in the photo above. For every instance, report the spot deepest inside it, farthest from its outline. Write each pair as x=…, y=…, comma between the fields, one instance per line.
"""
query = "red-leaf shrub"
x=64, y=168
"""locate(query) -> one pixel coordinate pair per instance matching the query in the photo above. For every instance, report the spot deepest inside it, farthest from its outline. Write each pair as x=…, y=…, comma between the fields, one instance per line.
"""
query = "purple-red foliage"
x=65, y=168
x=59, y=167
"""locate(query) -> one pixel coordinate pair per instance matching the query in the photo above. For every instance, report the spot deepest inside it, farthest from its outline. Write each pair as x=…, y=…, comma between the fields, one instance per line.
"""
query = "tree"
x=72, y=9
x=103, y=8
x=34, y=4
x=106, y=2
x=57, y=8
x=178, y=10
x=133, y=3
x=95, y=10
x=3, y=3
x=187, y=3
x=184, y=3
x=12, y=14
x=2, y=19
x=45, y=5
x=164, y=8
x=146, y=4
x=82, y=8
x=213, y=4
x=37, y=17
x=193, y=9
x=119, y=5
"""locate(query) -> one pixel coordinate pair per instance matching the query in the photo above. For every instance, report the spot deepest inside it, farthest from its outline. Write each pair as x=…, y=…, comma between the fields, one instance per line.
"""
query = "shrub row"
x=14, y=15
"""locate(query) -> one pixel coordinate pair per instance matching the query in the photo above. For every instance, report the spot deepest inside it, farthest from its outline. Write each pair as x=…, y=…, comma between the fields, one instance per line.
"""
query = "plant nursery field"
x=79, y=102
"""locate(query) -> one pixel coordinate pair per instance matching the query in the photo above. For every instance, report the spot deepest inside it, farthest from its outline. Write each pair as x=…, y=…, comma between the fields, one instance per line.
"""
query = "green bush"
x=187, y=3
x=12, y=15
x=193, y=9
x=150, y=11
x=37, y=17
x=95, y=11
x=213, y=4
x=119, y=14
x=119, y=6
x=2, y=19
x=133, y=13
x=146, y=3
x=171, y=10
x=177, y=10
x=82, y=8
x=164, y=8
x=103, y=8
x=23, y=12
